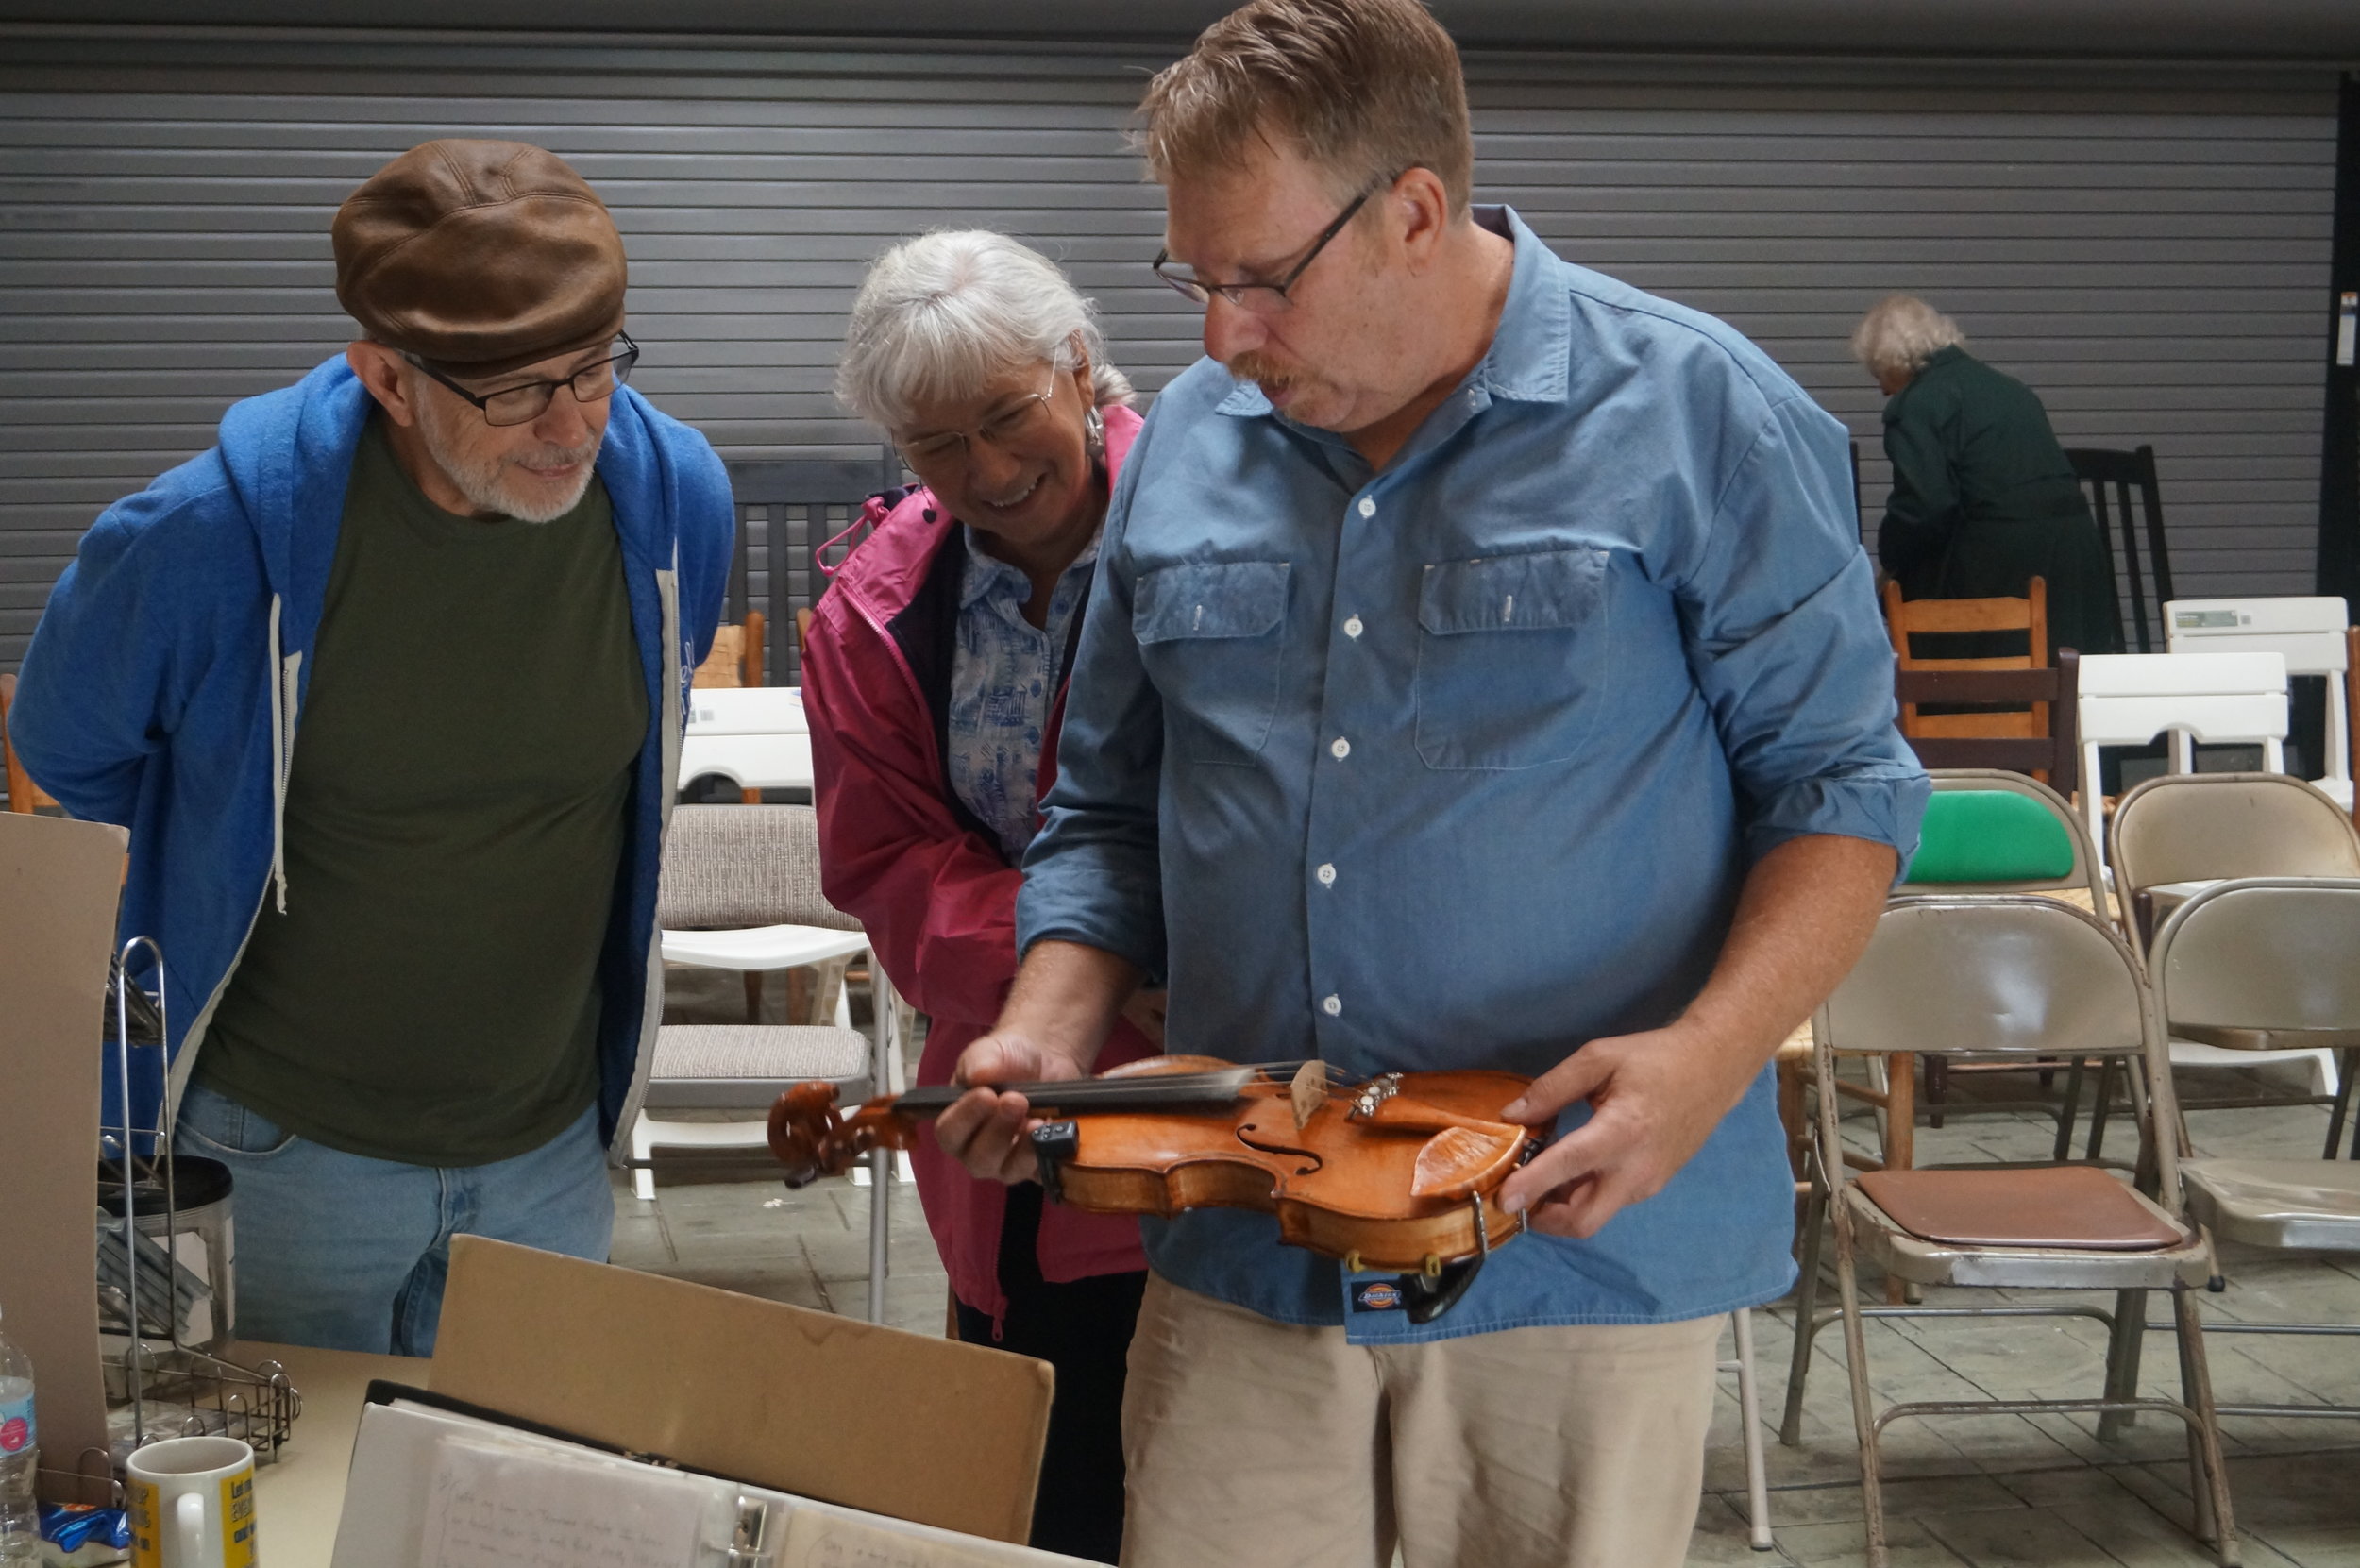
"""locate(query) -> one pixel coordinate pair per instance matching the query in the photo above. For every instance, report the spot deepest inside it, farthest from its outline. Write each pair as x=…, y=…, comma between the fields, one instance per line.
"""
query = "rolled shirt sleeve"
x=1790, y=651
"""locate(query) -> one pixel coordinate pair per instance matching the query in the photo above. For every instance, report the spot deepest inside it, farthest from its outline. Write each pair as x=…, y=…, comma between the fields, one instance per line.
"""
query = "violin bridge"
x=1308, y=1092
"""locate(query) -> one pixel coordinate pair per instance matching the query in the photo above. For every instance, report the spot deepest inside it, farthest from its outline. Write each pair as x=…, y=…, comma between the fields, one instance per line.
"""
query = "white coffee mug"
x=193, y=1504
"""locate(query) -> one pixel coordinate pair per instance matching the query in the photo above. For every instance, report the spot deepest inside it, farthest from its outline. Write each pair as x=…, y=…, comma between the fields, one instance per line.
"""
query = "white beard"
x=486, y=483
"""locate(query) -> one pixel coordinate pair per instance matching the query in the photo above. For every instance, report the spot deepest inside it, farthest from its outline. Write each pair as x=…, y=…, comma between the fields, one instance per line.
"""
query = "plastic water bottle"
x=20, y=1520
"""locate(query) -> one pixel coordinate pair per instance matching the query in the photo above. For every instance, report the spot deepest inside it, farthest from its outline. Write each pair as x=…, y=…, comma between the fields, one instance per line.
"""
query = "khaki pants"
x=1252, y=1442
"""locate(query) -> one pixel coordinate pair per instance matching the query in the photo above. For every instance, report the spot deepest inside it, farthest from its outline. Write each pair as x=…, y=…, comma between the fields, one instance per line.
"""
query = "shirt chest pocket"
x=1211, y=635
x=1511, y=657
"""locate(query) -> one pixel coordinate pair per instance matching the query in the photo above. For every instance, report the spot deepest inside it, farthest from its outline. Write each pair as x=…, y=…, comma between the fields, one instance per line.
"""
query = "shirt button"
x=1339, y=747
x=1332, y=1005
x=1368, y=507
x=1352, y=627
x=1326, y=875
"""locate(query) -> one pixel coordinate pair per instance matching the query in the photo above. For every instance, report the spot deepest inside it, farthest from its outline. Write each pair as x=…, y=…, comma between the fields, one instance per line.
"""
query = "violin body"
x=1398, y=1173
x=1346, y=1184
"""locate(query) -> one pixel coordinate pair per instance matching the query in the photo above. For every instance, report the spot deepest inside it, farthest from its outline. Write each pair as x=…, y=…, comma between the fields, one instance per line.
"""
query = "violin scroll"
x=812, y=1137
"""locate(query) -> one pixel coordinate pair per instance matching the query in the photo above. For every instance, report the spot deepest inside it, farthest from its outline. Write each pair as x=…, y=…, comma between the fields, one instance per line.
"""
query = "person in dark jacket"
x=1983, y=499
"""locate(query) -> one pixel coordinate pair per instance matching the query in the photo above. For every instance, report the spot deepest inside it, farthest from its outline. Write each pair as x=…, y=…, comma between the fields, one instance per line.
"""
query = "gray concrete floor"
x=1986, y=1491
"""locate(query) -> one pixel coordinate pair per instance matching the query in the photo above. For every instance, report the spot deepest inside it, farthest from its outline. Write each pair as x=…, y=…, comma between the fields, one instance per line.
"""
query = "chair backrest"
x=727, y=867
x=736, y=659
x=24, y=795
x=2307, y=633
x=2005, y=974
x=1989, y=831
x=2129, y=698
x=787, y=509
x=2264, y=958
x=2201, y=826
x=2055, y=754
x=2113, y=478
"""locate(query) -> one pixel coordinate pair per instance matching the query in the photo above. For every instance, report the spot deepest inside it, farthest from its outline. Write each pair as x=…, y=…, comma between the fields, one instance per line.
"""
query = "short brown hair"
x=1365, y=89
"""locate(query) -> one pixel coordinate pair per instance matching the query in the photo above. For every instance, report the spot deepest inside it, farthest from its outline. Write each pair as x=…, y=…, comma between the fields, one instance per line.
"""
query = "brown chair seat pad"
x=2068, y=1206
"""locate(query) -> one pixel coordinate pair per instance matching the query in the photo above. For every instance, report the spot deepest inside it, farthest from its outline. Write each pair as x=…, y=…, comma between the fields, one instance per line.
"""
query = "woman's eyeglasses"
x=1024, y=420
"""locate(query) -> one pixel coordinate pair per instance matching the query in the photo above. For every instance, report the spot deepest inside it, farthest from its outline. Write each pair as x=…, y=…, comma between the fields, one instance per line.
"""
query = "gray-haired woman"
x=1983, y=499
x=933, y=677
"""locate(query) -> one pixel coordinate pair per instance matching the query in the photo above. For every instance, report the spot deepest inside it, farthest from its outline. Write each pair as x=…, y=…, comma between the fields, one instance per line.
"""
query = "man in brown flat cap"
x=387, y=686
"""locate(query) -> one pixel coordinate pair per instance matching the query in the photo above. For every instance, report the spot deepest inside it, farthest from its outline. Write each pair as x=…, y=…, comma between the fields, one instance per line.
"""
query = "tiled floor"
x=1988, y=1492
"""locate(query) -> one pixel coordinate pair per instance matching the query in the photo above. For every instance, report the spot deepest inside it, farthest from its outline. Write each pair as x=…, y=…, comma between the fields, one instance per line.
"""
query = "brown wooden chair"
x=1908, y=619
x=24, y=795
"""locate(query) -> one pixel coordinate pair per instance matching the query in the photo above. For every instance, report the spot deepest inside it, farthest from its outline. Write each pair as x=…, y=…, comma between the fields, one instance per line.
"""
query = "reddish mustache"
x=1254, y=368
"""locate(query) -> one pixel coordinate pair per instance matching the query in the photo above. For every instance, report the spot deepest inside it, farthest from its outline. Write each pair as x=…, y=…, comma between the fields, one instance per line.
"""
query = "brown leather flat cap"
x=482, y=256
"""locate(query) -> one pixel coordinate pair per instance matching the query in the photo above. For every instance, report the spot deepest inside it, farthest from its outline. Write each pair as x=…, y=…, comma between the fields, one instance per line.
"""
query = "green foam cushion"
x=1989, y=835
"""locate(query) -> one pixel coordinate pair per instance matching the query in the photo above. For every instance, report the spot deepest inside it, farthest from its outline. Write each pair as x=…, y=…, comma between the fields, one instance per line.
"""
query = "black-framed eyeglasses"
x=523, y=404
x=1261, y=298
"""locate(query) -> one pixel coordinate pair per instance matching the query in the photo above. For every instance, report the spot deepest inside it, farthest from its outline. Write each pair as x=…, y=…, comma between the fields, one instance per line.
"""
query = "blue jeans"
x=351, y=1253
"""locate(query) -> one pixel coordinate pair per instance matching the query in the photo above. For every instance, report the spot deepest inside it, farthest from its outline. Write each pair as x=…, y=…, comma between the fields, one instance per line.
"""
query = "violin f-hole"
x=1313, y=1156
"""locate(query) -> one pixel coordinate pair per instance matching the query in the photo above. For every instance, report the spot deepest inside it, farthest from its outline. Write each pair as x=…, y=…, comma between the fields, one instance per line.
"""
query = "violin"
x=1397, y=1173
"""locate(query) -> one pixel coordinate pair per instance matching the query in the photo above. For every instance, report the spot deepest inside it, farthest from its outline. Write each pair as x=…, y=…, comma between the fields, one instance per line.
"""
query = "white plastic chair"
x=725, y=868
x=2307, y=633
x=2221, y=698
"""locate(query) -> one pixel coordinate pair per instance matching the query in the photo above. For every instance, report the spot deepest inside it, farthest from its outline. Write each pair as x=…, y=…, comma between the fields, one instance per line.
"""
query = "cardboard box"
x=849, y=1413
x=59, y=883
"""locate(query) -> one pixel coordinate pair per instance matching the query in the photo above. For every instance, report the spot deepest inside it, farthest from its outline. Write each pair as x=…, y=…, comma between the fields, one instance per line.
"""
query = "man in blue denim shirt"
x=1483, y=672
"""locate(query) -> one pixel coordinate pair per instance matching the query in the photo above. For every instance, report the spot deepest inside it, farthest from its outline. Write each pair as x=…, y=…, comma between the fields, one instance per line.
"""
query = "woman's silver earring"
x=1093, y=432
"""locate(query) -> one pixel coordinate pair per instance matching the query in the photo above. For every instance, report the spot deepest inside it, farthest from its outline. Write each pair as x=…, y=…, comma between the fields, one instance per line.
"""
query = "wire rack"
x=158, y=1386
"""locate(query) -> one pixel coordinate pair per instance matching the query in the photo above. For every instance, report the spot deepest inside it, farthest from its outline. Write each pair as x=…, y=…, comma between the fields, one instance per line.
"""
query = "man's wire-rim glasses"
x=522, y=405
x=1261, y=298
x=1003, y=429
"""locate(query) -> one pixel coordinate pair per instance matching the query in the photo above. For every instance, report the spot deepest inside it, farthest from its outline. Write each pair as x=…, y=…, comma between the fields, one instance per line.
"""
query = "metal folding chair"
x=2029, y=976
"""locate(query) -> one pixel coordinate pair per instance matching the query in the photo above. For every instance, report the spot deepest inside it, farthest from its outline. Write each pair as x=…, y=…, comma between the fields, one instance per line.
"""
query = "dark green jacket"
x=1984, y=500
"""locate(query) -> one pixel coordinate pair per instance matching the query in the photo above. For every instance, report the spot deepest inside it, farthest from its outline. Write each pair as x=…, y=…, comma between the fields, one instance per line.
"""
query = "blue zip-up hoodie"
x=166, y=679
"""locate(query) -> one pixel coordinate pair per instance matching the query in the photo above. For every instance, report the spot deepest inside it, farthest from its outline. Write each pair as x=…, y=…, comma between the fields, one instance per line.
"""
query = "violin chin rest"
x=1458, y=1162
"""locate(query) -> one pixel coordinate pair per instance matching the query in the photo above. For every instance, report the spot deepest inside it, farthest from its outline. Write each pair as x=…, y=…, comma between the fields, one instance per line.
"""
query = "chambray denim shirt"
x=1462, y=763
x=1002, y=681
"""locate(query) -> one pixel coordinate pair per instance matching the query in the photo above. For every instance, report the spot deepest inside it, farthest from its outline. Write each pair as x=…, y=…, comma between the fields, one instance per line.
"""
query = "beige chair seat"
x=2303, y=1204
x=728, y=1065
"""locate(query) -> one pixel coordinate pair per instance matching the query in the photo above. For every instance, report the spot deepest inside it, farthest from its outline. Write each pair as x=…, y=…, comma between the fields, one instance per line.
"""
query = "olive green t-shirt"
x=454, y=834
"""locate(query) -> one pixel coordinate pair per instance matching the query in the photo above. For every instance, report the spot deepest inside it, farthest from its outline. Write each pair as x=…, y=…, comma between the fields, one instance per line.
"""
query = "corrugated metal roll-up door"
x=2148, y=250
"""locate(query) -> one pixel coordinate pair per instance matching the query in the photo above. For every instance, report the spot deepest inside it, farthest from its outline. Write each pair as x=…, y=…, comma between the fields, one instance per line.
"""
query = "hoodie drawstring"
x=282, y=702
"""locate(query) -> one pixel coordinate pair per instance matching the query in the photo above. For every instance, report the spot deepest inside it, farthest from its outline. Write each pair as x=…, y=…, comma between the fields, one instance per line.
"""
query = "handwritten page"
x=498, y=1506
x=820, y=1537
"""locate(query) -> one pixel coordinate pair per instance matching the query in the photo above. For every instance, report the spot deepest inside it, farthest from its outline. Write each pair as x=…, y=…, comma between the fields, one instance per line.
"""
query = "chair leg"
x=642, y=1150
x=1937, y=1087
x=1749, y=1408
x=2099, y=1103
x=880, y=1228
x=2122, y=1360
x=2069, y=1109
x=753, y=996
x=1863, y=1419
x=1806, y=1312
x=1900, y=1138
x=2342, y=1105
x=2209, y=1472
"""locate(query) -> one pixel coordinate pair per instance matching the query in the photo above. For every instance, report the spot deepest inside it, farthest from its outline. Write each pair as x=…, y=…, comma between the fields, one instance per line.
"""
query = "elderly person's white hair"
x=941, y=314
x=1900, y=333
